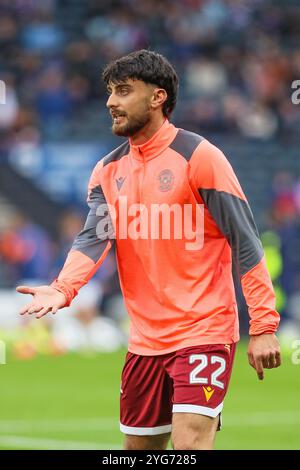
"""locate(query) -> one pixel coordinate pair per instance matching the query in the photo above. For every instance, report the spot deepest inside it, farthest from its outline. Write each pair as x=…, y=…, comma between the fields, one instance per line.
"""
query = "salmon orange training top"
x=179, y=218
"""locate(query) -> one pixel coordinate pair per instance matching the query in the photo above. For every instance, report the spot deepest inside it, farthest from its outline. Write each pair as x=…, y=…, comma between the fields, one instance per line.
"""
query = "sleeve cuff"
x=69, y=293
x=259, y=329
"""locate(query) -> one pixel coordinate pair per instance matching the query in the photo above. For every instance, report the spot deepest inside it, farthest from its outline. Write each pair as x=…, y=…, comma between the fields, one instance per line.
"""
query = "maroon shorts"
x=190, y=380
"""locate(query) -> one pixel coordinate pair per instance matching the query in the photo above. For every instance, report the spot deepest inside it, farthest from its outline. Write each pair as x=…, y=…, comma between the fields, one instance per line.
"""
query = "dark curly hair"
x=150, y=67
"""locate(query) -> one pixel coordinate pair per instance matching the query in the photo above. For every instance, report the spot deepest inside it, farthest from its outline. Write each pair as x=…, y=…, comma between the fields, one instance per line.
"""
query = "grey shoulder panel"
x=235, y=220
x=117, y=153
x=98, y=228
x=185, y=143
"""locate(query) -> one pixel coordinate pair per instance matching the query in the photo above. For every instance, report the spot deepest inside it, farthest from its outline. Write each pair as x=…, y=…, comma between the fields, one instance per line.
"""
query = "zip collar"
x=156, y=144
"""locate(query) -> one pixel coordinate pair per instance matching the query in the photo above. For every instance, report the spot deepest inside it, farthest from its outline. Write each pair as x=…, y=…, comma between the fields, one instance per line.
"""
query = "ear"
x=159, y=96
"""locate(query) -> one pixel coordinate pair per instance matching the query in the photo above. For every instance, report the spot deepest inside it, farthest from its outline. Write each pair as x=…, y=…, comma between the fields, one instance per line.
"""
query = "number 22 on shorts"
x=203, y=363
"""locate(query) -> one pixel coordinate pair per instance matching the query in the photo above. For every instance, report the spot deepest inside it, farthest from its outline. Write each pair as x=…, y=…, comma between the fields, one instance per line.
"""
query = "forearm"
x=91, y=245
x=220, y=191
x=77, y=271
x=260, y=298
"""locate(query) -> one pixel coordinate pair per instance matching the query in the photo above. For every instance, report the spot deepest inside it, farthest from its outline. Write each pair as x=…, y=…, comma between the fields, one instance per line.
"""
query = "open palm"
x=45, y=299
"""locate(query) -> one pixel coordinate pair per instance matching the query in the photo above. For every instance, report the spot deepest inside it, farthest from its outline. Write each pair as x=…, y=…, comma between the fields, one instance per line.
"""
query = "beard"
x=132, y=125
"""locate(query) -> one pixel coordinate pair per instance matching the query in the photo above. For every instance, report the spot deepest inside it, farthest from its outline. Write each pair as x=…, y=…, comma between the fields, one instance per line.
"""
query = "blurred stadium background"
x=236, y=60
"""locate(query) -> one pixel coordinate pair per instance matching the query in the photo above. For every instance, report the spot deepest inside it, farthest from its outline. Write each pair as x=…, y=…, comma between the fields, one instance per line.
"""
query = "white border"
x=145, y=431
x=2, y=92
x=200, y=410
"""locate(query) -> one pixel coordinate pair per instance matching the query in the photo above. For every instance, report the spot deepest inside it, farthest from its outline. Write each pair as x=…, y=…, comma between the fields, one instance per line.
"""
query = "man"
x=179, y=294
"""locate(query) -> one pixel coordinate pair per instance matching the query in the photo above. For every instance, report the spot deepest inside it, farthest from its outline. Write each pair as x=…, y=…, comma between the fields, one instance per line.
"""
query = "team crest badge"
x=166, y=180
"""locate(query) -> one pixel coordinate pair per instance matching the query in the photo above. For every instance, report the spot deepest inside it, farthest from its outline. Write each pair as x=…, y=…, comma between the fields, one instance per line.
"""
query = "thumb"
x=26, y=290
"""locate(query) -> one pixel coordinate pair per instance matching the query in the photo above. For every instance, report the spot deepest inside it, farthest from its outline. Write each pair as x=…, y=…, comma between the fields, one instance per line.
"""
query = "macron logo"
x=120, y=182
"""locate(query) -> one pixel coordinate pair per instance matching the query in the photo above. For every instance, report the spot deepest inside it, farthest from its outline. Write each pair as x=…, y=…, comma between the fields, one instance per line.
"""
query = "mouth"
x=117, y=118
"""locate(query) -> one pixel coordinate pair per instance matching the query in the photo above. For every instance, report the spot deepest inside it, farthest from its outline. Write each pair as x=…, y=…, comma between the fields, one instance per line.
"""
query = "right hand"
x=45, y=299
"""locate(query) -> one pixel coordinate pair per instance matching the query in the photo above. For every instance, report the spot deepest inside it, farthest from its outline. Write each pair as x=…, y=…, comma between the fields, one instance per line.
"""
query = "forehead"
x=130, y=82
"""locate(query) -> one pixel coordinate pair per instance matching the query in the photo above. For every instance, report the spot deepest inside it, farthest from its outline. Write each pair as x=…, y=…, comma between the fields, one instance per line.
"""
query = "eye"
x=124, y=91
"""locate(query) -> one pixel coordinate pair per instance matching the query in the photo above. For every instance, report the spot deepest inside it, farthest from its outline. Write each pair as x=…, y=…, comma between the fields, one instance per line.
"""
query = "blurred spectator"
x=27, y=249
x=206, y=78
x=10, y=109
x=224, y=50
x=52, y=99
x=285, y=221
x=42, y=34
x=258, y=122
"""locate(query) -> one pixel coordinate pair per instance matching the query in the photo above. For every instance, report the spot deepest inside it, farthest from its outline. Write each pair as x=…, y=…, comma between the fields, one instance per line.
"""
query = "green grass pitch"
x=72, y=402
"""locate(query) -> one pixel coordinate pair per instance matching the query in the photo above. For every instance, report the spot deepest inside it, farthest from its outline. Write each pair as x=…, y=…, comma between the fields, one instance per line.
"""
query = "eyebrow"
x=119, y=85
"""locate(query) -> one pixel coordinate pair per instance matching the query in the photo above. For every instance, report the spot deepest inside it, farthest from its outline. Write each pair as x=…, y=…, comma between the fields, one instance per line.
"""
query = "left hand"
x=264, y=353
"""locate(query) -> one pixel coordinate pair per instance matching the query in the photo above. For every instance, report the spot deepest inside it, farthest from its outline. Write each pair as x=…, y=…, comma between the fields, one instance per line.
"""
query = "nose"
x=111, y=101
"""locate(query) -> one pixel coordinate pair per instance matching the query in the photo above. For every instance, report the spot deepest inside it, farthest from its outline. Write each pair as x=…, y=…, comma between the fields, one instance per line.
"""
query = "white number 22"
x=195, y=379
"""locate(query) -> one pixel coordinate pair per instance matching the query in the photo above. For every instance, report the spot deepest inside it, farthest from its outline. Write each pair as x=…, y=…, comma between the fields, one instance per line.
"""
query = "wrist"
x=253, y=335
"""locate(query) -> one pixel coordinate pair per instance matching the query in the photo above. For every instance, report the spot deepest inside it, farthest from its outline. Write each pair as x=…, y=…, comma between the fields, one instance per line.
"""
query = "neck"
x=147, y=131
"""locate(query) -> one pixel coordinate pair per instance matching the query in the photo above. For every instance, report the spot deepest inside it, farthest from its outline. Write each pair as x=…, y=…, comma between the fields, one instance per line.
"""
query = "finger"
x=272, y=361
x=265, y=362
x=35, y=309
x=43, y=312
x=277, y=359
x=251, y=360
x=259, y=369
x=54, y=309
x=25, y=309
x=26, y=290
